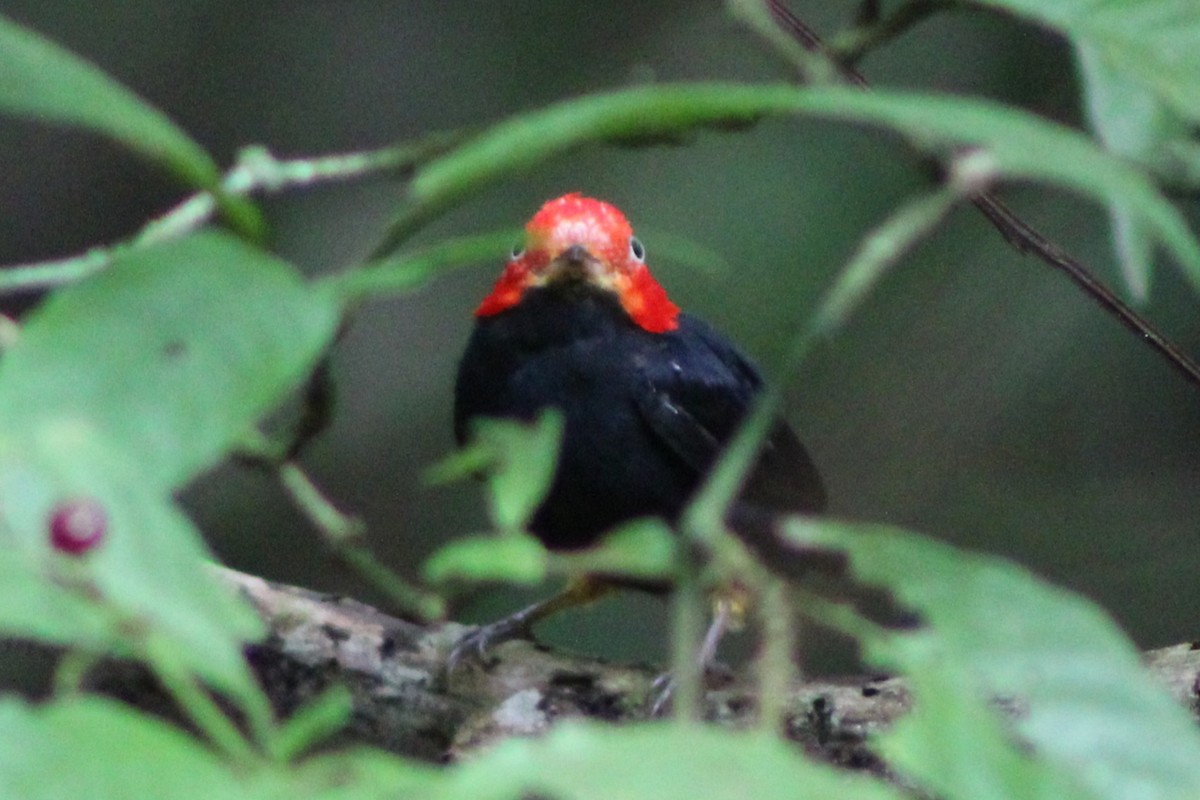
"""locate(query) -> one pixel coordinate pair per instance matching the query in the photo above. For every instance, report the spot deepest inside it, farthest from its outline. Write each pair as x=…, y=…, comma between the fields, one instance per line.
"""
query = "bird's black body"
x=646, y=414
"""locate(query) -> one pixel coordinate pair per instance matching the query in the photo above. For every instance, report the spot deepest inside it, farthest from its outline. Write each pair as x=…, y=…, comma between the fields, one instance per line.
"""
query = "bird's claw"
x=662, y=692
x=476, y=643
x=714, y=675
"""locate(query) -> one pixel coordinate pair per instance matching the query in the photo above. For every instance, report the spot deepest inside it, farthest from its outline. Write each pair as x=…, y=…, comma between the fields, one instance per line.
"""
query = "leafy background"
x=977, y=396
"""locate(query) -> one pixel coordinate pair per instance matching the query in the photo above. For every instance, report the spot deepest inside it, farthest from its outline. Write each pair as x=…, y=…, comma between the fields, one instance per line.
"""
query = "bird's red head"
x=588, y=239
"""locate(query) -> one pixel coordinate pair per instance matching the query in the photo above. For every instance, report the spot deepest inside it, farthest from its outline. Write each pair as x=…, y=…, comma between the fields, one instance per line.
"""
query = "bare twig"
x=256, y=172
x=1015, y=230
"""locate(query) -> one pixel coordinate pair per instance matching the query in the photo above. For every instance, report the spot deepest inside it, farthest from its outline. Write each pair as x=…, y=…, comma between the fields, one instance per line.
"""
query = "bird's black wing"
x=698, y=395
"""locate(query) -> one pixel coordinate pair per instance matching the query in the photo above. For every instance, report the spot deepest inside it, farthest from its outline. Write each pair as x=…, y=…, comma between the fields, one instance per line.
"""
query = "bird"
x=648, y=395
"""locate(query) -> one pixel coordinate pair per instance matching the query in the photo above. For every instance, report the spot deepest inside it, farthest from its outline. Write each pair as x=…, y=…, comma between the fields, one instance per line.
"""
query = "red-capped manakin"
x=648, y=395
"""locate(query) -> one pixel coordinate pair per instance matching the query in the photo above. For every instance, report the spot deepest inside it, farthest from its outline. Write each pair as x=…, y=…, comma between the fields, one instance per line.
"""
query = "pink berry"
x=77, y=526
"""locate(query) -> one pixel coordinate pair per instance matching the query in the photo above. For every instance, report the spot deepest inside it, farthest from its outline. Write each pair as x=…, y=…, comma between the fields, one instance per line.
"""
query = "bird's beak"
x=575, y=263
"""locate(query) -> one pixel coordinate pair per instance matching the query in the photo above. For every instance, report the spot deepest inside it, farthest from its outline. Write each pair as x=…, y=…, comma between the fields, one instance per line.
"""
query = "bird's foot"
x=716, y=675
x=662, y=692
x=478, y=642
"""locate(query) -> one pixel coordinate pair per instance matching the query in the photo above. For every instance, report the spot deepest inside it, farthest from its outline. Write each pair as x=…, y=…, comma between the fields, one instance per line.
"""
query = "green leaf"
x=1021, y=145
x=1138, y=125
x=582, y=761
x=954, y=746
x=359, y=774
x=520, y=460
x=313, y=722
x=31, y=607
x=89, y=747
x=146, y=574
x=40, y=80
x=512, y=558
x=1090, y=711
x=172, y=354
x=118, y=391
x=1150, y=42
x=643, y=548
x=404, y=273
x=102, y=750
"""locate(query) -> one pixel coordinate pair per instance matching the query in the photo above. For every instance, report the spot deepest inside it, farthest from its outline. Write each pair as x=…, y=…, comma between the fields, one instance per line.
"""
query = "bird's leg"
x=476, y=644
x=727, y=614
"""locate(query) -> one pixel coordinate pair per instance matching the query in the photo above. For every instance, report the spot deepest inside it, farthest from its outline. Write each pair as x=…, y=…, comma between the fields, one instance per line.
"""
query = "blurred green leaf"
x=1138, y=125
x=519, y=460
x=955, y=747
x=1089, y=709
x=580, y=761
x=359, y=774
x=102, y=750
x=313, y=722
x=41, y=80
x=118, y=391
x=1020, y=145
x=1148, y=42
x=514, y=558
x=643, y=548
x=147, y=572
x=31, y=607
x=98, y=749
x=173, y=353
x=408, y=271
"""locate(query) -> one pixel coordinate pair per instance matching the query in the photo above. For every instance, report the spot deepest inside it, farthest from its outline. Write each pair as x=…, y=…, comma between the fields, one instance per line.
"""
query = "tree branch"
x=403, y=702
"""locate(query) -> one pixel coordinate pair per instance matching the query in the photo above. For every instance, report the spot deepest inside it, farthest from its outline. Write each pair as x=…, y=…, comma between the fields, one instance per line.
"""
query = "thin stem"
x=687, y=624
x=775, y=666
x=196, y=703
x=879, y=250
x=256, y=172
x=343, y=534
x=805, y=57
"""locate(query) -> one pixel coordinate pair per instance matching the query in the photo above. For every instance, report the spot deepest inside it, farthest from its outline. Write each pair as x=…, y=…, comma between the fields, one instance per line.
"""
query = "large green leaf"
x=99, y=749
x=1019, y=145
x=145, y=577
x=172, y=353
x=1150, y=42
x=92, y=748
x=118, y=391
x=581, y=761
x=1088, y=709
x=31, y=607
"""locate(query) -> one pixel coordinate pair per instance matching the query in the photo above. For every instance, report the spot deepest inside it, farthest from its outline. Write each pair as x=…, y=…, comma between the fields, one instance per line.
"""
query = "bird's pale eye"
x=637, y=250
x=518, y=250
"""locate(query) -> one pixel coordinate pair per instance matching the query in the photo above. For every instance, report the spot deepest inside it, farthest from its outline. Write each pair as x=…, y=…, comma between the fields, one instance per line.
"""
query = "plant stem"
x=256, y=172
x=196, y=703
x=775, y=666
x=687, y=628
x=343, y=534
